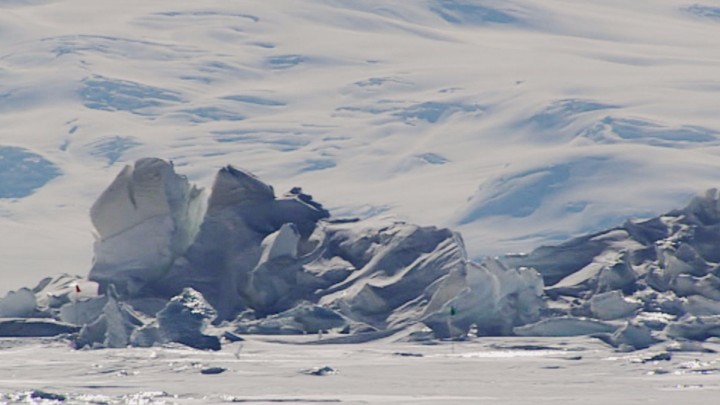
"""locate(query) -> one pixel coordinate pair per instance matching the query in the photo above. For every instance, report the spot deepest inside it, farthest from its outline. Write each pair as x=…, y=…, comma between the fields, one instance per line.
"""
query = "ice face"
x=489, y=295
x=255, y=251
x=144, y=220
x=228, y=252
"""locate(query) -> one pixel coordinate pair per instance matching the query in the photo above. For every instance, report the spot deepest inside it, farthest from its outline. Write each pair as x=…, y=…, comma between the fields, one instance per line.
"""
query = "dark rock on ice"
x=319, y=371
x=232, y=337
x=212, y=370
x=38, y=394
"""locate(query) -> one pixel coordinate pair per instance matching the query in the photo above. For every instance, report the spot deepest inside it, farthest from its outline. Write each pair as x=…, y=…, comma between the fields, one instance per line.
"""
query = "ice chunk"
x=490, y=296
x=144, y=220
x=228, y=250
x=666, y=266
x=701, y=306
x=233, y=186
x=54, y=292
x=120, y=321
x=282, y=243
x=18, y=304
x=612, y=305
x=629, y=337
x=184, y=319
x=564, y=326
x=81, y=312
x=303, y=318
x=396, y=268
x=694, y=327
x=92, y=334
x=113, y=327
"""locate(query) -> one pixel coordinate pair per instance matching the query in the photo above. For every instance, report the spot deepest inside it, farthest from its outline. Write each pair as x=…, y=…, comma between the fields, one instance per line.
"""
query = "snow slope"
x=515, y=122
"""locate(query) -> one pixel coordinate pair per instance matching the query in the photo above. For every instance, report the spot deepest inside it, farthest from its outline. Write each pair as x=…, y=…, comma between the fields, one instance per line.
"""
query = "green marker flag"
x=453, y=311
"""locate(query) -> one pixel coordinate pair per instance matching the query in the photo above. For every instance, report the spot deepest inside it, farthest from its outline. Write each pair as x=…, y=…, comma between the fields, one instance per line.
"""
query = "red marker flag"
x=77, y=288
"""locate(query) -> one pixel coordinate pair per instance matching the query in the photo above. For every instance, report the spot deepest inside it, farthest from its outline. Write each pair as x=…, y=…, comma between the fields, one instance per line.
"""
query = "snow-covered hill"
x=515, y=122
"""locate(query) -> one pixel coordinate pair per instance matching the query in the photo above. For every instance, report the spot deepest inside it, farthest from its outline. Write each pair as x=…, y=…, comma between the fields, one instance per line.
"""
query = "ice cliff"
x=172, y=265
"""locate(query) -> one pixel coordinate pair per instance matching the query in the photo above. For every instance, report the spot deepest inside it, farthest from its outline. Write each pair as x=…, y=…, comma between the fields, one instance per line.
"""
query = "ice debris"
x=660, y=277
x=279, y=265
x=168, y=263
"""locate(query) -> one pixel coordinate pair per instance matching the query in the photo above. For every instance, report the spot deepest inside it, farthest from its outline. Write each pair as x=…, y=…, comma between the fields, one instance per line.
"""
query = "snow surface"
x=518, y=123
x=264, y=371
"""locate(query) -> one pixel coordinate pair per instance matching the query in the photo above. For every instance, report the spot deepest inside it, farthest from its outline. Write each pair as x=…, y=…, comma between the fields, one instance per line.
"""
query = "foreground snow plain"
x=269, y=370
x=515, y=122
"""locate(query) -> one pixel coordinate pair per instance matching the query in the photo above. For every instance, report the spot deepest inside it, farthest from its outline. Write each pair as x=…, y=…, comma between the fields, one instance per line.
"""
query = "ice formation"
x=660, y=276
x=280, y=265
x=167, y=264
